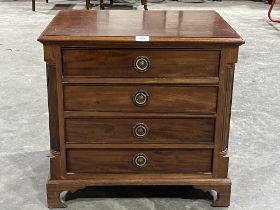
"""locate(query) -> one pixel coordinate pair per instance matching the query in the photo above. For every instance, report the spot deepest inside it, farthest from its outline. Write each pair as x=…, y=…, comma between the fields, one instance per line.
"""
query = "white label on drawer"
x=142, y=38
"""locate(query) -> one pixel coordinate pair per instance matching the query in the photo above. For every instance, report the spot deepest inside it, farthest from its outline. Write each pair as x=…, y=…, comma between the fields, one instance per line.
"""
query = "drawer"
x=140, y=63
x=144, y=98
x=139, y=160
x=140, y=130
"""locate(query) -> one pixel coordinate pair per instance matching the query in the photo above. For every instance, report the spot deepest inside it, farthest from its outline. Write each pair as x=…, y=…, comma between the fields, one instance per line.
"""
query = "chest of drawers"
x=130, y=112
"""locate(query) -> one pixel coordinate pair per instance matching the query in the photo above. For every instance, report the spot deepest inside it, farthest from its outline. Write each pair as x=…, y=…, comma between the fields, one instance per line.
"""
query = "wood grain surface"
x=119, y=98
x=194, y=26
x=121, y=160
x=91, y=84
x=118, y=131
x=121, y=62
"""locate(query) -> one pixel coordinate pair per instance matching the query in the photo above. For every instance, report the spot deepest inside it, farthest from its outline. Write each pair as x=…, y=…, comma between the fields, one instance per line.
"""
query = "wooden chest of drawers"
x=139, y=100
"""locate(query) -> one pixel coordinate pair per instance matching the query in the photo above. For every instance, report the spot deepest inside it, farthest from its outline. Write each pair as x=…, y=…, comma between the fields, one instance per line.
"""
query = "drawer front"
x=140, y=130
x=139, y=161
x=157, y=99
x=140, y=63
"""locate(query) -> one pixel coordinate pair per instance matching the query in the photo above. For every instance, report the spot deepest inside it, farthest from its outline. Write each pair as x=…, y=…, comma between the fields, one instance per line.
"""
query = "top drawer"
x=160, y=63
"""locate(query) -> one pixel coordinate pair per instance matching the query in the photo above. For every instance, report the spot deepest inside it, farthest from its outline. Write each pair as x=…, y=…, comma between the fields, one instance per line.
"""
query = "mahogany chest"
x=139, y=98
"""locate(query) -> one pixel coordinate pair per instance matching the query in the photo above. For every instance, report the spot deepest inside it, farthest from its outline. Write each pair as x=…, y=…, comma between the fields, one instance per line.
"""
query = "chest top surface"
x=71, y=25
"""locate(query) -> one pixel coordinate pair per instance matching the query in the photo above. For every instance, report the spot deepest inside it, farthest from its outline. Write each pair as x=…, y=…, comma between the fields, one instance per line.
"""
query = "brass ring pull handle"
x=140, y=98
x=142, y=64
x=140, y=160
x=140, y=130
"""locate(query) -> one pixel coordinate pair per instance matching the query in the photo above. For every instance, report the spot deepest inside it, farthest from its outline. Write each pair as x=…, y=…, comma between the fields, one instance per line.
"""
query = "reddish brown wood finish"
x=121, y=131
x=119, y=99
x=89, y=25
x=210, y=81
x=120, y=63
x=121, y=161
x=53, y=108
x=139, y=146
x=192, y=56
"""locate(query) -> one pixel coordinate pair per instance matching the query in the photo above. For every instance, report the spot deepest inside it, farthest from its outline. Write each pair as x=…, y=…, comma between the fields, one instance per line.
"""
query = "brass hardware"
x=140, y=130
x=140, y=98
x=140, y=160
x=142, y=64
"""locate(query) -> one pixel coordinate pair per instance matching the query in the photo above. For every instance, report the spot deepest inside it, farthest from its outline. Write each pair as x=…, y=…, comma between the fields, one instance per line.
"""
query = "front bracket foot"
x=53, y=196
x=54, y=188
x=223, y=194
